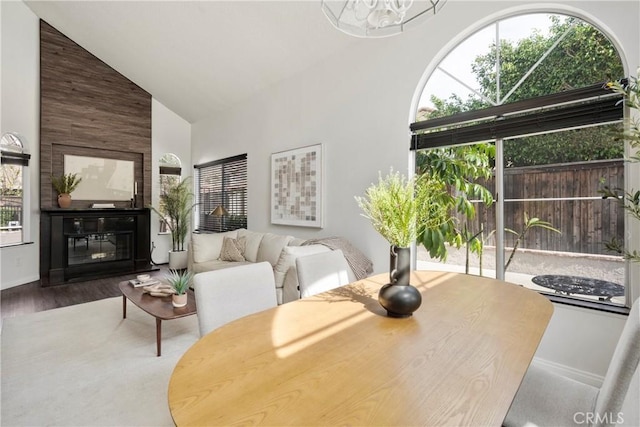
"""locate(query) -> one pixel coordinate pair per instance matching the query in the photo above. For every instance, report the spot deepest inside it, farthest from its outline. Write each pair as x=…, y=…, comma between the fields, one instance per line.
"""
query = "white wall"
x=356, y=104
x=20, y=100
x=170, y=134
x=359, y=104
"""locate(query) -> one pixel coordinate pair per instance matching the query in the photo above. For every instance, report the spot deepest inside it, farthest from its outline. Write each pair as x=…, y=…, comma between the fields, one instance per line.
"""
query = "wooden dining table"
x=337, y=359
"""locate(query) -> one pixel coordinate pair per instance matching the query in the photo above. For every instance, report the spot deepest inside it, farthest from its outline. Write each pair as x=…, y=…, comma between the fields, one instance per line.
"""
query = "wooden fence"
x=566, y=195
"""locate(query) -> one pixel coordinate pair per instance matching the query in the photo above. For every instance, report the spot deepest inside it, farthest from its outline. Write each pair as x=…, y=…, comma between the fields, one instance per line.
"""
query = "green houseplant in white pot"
x=401, y=209
x=175, y=210
x=64, y=186
x=180, y=282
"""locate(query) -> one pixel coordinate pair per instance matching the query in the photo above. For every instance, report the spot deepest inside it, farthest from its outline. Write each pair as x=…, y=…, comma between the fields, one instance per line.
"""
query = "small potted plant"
x=64, y=185
x=179, y=281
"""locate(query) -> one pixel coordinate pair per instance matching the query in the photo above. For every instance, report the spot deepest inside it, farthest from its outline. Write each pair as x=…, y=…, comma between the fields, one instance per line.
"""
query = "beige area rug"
x=86, y=366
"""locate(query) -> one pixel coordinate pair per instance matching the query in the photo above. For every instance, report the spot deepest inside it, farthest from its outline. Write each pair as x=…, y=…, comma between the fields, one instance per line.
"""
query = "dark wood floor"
x=32, y=297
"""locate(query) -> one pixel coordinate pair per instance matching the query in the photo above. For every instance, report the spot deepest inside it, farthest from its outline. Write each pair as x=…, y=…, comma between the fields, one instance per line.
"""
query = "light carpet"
x=84, y=365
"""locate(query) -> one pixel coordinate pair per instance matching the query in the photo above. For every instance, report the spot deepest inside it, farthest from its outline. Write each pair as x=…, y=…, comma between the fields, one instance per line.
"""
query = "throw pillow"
x=207, y=246
x=232, y=249
x=252, y=245
x=271, y=246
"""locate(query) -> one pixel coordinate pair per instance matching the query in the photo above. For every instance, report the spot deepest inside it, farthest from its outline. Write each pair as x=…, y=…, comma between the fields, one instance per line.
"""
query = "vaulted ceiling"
x=199, y=58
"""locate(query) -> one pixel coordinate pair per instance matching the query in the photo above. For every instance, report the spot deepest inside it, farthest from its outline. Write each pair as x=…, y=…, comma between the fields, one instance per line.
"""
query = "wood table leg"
x=124, y=307
x=158, y=333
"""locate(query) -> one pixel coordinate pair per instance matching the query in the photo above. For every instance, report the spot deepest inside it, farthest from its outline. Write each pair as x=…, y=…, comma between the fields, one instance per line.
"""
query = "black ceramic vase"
x=399, y=298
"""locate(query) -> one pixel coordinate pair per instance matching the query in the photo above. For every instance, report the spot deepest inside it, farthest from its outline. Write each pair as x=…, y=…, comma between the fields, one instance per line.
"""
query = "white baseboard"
x=569, y=372
x=21, y=281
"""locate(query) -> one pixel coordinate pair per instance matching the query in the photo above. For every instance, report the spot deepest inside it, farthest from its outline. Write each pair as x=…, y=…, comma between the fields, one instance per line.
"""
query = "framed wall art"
x=296, y=187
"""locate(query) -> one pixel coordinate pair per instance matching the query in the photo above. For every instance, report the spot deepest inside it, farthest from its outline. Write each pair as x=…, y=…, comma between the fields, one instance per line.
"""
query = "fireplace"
x=79, y=244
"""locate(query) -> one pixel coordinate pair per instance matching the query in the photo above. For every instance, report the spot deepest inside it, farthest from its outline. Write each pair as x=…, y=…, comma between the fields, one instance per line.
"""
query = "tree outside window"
x=170, y=172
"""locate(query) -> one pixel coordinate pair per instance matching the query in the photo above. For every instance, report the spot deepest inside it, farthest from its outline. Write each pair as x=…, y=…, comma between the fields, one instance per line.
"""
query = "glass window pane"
x=537, y=56
x=466, y=170
x=11, y=213
x=222, y=184
x=556, y=221
x=166, y=182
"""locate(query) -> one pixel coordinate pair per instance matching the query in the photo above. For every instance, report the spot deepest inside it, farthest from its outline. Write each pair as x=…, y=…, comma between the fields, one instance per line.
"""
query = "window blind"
x=170, y=170
x=222, y=183
x=12, y=158
x=570, y=109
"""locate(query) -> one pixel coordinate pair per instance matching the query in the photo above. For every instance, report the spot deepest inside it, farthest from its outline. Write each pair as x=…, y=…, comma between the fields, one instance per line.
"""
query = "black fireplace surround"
x=80, y=244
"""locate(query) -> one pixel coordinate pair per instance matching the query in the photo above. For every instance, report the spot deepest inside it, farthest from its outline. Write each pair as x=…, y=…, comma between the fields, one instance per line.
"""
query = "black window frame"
x=222, y=183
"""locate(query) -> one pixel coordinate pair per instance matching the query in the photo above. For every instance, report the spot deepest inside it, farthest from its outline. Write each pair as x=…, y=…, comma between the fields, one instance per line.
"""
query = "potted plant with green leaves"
x=179, y=280
x=629, y=200
x=402, y=209
x=175, y=211
x=64, y=185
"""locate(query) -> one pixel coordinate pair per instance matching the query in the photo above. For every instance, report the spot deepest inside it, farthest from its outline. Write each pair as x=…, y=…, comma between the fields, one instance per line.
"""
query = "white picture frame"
x=297, y=187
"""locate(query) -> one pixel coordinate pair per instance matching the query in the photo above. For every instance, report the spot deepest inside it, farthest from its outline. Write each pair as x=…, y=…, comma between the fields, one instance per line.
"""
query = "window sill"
x=590, y=305
x=13, y=245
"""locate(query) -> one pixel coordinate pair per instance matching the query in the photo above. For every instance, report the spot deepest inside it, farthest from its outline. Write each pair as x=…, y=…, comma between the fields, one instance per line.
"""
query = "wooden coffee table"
x=160, y=308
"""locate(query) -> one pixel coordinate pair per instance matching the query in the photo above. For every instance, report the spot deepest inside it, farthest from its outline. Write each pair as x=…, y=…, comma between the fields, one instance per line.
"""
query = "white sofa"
x=206, y=254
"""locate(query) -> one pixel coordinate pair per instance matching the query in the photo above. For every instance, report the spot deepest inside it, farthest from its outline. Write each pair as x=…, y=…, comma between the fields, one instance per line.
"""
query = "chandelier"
x=378, y=18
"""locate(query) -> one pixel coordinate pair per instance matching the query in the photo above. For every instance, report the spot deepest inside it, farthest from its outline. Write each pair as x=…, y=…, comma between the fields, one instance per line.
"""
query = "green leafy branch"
x=529, y=223
x=401, y=209
x=629, y=200
x=179, y=280
x=458, y=169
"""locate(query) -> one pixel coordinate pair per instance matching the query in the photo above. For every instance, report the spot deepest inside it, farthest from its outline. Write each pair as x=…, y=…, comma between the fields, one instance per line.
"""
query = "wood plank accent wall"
x=89, y=109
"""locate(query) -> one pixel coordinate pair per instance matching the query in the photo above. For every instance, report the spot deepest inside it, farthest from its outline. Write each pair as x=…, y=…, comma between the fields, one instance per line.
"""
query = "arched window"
x=14, y=159
x=517, y=115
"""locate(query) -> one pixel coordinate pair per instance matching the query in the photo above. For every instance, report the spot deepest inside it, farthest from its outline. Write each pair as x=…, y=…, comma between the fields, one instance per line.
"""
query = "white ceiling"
x=199, y=58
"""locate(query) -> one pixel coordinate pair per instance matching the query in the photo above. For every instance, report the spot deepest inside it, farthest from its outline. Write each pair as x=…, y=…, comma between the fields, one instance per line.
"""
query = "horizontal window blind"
x=12, y=158
x=170, y=170
x=222, y=183
x=570, y=109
